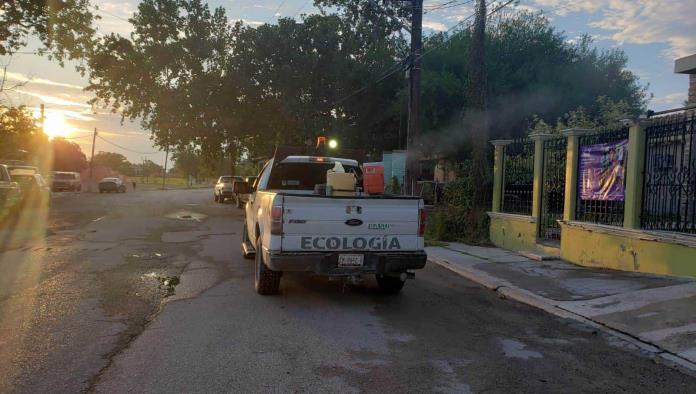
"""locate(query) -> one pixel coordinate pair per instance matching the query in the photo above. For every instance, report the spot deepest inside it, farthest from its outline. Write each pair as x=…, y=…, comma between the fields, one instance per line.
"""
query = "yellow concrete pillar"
x=539, y=139
x=635, y=167
x=571, y=174
x=498, y=172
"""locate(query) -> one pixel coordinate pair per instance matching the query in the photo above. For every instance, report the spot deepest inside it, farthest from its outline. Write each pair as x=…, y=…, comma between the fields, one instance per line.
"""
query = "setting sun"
x=55, y=126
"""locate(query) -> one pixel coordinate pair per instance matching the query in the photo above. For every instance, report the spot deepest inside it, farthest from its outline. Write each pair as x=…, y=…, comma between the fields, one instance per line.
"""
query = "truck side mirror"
x=241, y=187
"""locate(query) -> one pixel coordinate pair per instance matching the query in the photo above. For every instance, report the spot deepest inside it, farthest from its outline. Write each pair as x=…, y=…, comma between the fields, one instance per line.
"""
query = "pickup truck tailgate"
x=321, y=224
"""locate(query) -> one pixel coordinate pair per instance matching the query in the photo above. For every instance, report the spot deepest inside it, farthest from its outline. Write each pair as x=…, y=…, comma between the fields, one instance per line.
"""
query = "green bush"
x=428, y=193
x=394, y=186
x=457, y=218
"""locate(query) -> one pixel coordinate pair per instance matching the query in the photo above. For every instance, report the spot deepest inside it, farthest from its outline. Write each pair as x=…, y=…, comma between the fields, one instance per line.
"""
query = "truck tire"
x=215, y=197
x=390, y=284
x=266, y=282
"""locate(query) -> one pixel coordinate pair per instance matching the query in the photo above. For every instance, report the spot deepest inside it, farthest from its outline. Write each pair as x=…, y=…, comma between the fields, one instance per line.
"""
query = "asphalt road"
x=147, y=292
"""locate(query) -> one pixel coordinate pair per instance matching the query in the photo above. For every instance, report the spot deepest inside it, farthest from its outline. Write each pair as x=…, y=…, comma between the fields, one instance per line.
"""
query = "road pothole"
x=148, y=256
x=187, y=216
x=167, y=283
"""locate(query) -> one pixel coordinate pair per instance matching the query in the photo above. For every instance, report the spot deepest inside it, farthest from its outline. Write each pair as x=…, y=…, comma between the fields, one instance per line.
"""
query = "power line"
x=446, y=6
x=276, y=11
x=440, y=5
x=462, y=22
x=126, y=149
x=110, y=14
x=76, y=137
x=391, y=70
x=301, y=8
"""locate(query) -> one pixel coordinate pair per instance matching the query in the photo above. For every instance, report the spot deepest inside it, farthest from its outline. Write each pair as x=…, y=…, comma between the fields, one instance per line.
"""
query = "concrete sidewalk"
x=657, y=313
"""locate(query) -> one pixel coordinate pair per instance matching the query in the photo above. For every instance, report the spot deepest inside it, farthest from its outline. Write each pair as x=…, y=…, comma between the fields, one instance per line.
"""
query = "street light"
x=333, y=144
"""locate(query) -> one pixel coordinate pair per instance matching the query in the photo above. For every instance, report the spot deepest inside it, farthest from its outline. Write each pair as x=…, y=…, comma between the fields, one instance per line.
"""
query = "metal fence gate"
x=518, y=177
x=552, y=188
x=669, y=190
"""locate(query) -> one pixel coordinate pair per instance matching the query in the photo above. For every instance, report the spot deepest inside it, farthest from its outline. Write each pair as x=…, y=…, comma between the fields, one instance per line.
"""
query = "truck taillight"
x=421, y=222
x=277, y=220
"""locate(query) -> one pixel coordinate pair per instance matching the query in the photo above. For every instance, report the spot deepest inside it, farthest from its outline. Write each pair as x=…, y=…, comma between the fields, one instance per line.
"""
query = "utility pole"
x=478, y=118
x=43, y=119
x=413, y=153
x=91, y=160
x=164, y=175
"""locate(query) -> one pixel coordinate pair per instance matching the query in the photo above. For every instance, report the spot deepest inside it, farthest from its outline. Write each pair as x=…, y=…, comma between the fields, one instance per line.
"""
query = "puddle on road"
x=516, y=349
x=186, y=215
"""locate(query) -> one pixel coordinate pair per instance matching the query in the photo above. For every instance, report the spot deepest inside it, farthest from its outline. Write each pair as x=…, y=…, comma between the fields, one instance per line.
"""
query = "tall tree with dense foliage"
x=63, y=27
x=532, y=69
x=67, y=156
x=169, y=74
x=116, y=161
x=237, y=91
x=20, y=137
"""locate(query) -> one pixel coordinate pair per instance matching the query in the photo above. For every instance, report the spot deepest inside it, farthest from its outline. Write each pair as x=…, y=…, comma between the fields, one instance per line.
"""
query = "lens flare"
x=55, y=126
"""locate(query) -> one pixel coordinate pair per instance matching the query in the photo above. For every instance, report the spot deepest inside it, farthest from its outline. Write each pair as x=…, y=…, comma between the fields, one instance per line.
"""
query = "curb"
x=507, y=290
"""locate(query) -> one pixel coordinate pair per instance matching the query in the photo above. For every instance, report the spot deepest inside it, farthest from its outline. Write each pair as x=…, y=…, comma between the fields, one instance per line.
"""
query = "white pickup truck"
x=289, y=226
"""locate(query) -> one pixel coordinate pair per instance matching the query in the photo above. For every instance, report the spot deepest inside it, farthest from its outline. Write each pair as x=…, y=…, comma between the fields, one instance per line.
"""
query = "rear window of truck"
x=303, y=176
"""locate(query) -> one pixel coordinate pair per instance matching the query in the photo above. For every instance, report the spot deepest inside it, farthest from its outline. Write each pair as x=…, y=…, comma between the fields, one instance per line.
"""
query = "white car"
x=112, y=184
x=63, y=180
x=292, y=225
x=224, y=187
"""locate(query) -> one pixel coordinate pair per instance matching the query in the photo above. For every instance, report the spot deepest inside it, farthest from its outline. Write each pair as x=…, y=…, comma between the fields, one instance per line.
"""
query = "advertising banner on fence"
x=602, y=170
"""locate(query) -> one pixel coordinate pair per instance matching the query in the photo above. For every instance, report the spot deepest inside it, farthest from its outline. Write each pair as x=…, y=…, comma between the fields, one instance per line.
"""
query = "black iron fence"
x=601, y=210
x=553, y=188
x=669, y=190
x=518, y=177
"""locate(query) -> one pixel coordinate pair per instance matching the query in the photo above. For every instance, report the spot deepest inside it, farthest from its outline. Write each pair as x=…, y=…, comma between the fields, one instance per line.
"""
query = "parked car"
x=70, y=181
x=35, y=190
x=240, y=199
x=224, y=187
x=108, y=185
x=298, y=219
x=10, y=193
x=22, y=169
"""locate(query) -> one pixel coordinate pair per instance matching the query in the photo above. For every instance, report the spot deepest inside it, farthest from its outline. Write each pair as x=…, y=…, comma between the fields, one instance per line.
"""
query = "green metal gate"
x=552, y=188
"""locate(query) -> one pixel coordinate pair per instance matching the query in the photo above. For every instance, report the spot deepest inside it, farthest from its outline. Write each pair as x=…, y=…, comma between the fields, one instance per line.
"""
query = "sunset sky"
x=652, y=33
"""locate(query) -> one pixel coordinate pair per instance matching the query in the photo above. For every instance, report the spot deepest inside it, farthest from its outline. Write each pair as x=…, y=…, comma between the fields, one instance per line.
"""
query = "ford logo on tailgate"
x=354, y=222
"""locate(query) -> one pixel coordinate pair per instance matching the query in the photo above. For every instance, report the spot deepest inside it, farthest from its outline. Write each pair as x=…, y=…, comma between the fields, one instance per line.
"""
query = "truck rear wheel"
x=266, y=282
x=390, y=284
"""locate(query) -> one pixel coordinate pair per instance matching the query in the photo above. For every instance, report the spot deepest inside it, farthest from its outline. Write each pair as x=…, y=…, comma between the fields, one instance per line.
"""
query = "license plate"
x=350, y=260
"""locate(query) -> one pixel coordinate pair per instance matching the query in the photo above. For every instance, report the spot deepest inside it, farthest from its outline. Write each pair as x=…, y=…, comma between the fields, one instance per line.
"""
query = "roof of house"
x=685, y=65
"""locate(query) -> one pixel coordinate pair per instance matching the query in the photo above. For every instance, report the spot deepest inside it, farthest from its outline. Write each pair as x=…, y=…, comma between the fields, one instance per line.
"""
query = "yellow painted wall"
x=598, y=249
x=513, y=234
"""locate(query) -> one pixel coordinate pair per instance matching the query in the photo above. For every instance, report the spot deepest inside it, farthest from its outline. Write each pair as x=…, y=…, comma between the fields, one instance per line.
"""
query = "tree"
x=116, y=161
x=20, y=137
x=168, y=74
x=282, y=83
x=68, y=156
x=64, y=28
x=187, y=162
x=147, y=168
x=532, y=69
